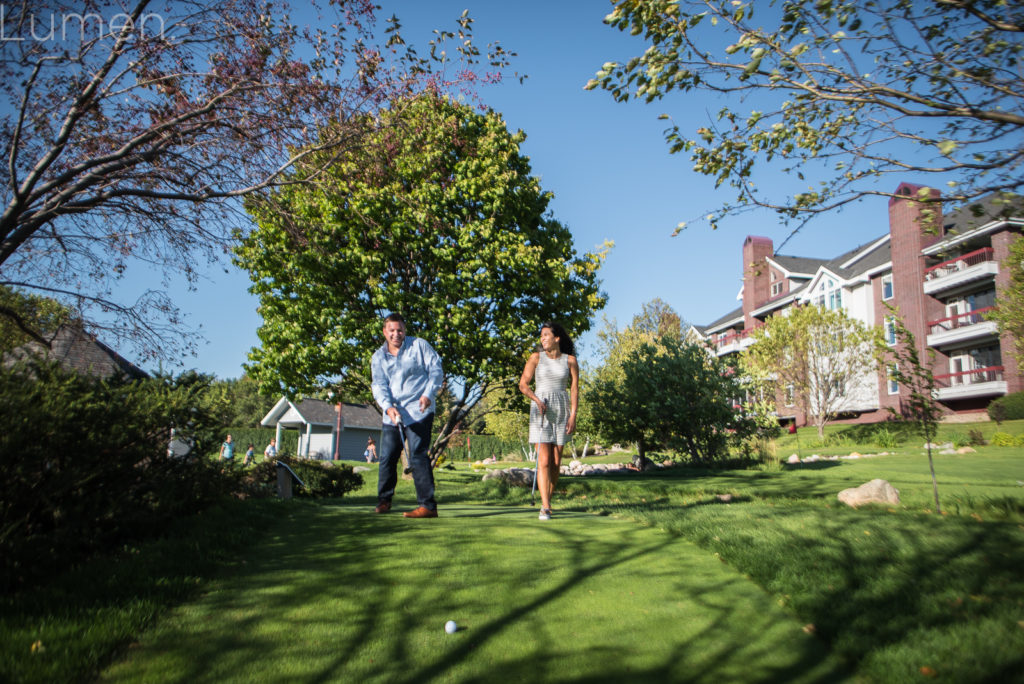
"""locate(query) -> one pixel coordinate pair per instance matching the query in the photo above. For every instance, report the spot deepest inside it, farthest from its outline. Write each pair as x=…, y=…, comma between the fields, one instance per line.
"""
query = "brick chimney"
x=909, y=233
x=756, y=284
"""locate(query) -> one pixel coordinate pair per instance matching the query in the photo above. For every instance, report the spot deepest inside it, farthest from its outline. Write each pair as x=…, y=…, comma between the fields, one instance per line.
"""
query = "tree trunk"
x=640, y=461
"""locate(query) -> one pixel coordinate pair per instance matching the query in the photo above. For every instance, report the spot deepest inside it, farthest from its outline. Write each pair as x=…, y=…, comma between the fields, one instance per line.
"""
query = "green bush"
x=884, y=438
x=87, y=468
x=1010, y=407
x=976, y=437
x=322, y=479
x=1003, y=439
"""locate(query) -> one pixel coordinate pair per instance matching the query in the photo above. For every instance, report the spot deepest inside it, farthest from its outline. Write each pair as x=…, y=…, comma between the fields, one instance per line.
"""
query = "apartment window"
x=894, y=387
x=776, y=289
x=890, y=330
x=887, y=286
x=790, y=395
x=828, y=295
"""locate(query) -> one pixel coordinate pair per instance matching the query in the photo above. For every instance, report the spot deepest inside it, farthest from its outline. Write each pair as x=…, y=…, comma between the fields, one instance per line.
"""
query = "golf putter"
x=406, y=469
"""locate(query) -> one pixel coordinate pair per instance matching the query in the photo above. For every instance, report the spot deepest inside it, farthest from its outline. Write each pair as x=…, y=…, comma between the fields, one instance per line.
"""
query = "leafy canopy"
x=658, y=391
x=841, y=92
x=435, y=216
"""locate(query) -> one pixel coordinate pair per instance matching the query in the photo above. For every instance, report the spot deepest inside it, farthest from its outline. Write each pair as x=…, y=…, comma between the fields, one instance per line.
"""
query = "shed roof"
x=320, y=412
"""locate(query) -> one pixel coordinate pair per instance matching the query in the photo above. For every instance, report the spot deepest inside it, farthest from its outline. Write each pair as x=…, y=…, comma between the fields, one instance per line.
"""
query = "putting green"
x=336, y=593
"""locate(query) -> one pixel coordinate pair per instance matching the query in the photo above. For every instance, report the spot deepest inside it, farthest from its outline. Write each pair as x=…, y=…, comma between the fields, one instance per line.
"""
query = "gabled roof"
x=78, y=350
x=319, y=412
x=731, y=318
x=976, y=219
x=797, y=266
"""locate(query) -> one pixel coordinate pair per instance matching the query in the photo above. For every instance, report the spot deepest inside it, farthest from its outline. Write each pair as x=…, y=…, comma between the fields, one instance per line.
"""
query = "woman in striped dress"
x=553, y=407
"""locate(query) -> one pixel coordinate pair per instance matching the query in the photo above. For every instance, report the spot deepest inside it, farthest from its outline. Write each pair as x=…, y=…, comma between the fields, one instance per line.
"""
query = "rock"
x=361, y=469
x=793, y=458
x=876, y=491
x=516, y=477
x=948, y=452
x=724, y=498
x=966, y=450
x=854, y=454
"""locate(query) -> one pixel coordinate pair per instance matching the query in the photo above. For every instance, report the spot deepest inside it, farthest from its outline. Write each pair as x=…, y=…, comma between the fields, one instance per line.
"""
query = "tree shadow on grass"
x=883, y=591
x=389, y=629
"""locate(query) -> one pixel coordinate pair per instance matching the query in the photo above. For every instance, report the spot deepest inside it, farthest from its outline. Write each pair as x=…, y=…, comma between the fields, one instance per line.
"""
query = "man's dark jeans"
x=418, y=435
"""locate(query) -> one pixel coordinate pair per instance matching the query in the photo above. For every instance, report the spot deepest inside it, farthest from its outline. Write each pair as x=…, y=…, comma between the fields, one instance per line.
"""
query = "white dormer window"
x=776, y=289
x=828, y=295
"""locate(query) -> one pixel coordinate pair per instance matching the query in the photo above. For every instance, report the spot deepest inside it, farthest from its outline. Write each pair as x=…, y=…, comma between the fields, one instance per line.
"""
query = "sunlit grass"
x=641, y=577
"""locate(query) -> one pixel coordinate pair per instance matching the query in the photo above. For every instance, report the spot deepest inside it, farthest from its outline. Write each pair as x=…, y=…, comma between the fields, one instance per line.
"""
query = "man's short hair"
x=394, y=318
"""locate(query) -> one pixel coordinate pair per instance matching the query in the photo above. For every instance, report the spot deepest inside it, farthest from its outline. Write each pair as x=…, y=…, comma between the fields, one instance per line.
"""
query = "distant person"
x=553, y=408
x=250, y=456
x=270, y=453
x=407, y=374
x=371, y=451
x=227, y=451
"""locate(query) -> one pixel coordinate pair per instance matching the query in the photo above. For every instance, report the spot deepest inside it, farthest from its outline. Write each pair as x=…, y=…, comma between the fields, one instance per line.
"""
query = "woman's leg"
x=554, y=469
x=544, y=459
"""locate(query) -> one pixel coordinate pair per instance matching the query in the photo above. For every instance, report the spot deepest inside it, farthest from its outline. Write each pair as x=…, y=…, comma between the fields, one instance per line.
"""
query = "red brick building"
x=943, y=275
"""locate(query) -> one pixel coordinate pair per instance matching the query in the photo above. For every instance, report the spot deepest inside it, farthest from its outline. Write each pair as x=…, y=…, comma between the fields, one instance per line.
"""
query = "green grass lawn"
x=336, y=593
x=641, y=577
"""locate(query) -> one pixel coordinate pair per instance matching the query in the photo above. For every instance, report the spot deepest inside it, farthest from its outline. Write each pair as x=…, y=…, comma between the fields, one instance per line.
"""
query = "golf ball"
x=451, y=627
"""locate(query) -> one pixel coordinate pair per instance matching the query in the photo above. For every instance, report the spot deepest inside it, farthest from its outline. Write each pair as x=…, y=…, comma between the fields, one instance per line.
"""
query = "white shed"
x=325, y=431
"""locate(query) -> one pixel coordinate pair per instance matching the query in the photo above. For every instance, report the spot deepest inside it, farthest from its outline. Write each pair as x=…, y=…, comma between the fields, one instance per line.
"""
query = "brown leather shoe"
x=383, y=507
x=420, y=512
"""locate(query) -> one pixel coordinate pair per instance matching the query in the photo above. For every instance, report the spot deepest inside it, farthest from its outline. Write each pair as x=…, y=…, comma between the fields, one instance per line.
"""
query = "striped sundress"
x=552, y=377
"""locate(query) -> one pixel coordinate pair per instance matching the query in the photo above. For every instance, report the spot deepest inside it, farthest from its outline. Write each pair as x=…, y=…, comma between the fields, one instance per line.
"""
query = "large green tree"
x=658, y=391
x=841, y=92
x=437, y=216
x=823, y=359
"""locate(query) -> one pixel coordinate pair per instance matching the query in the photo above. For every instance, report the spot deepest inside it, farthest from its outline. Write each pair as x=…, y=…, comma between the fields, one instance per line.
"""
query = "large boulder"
x=516, y=477
x=876, y=491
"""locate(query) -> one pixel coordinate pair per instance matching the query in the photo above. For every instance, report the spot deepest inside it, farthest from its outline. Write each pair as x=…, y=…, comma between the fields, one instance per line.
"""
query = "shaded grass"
x=888, y=590
x=891, y=590
x=68, y=629
x=339, y=594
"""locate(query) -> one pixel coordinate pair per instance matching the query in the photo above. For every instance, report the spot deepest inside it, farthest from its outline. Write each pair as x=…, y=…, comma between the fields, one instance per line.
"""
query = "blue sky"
x=607, y=165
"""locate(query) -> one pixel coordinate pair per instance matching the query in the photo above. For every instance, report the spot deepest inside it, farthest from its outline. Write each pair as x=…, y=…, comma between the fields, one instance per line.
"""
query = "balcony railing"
x=960, y=263
x=735, y=337
x=959, y=321
x=971, y=377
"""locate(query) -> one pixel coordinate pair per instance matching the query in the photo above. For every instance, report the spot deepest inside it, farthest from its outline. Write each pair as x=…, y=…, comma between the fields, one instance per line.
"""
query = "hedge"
x=1010, y=407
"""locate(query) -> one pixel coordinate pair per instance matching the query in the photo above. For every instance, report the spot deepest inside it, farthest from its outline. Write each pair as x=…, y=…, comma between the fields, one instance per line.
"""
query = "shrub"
x=975, y=437
x=1010, y=407
x=884, y=438
x=1003, y=439
x=322, y=479
x=87, y=468
x=958, y=439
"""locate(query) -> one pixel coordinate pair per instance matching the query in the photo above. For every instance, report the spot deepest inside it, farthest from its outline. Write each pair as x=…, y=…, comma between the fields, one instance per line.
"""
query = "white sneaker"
x=545, y=514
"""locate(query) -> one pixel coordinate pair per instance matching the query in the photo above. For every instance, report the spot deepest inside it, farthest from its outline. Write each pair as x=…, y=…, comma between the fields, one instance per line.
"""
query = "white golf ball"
x=451, y=627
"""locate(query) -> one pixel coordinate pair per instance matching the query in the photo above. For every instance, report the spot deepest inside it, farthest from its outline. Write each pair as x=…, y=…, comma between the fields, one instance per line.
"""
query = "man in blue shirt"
x=407, y=375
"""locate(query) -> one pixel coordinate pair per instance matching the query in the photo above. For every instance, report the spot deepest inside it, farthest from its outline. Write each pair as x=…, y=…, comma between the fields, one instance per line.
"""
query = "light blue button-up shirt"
x=400, y=380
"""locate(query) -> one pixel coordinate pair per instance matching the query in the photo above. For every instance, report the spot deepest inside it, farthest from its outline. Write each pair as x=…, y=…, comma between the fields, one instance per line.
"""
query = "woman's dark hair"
x=565, y=343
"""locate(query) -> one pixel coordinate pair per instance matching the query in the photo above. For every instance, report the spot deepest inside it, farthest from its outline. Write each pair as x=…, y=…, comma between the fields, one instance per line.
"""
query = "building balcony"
x=980, y=382
x=968, y=268
x=734, y=341
x=961, y=328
